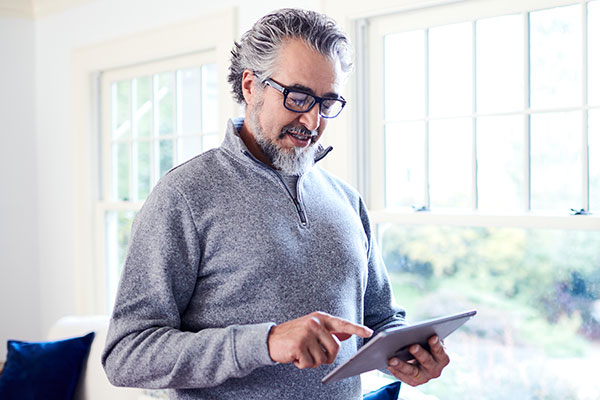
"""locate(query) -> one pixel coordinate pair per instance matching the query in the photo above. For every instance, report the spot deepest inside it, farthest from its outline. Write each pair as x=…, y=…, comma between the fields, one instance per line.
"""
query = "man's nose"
x=311, y=119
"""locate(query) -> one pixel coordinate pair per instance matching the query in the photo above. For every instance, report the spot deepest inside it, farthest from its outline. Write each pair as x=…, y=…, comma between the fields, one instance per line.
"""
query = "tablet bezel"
x=394, y=342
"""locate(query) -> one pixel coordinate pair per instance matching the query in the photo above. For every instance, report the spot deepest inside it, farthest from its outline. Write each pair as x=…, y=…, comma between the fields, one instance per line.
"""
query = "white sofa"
x=94, y=384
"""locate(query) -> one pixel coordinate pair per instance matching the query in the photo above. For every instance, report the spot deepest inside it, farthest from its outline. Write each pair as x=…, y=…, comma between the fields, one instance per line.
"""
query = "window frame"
x=161, y=43
x=106, y=202
x=371, y=84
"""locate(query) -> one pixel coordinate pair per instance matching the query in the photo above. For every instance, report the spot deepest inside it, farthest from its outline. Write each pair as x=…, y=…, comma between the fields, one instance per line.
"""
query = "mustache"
x=298, y=129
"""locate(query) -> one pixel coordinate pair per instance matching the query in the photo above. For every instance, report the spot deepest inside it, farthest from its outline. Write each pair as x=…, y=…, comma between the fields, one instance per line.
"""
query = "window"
x=155, y=116
x=494, y=114
x=484, y=136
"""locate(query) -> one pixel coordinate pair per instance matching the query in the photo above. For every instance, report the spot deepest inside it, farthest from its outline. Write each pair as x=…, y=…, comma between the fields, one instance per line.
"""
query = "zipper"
x=299, y=201
x=297, y=204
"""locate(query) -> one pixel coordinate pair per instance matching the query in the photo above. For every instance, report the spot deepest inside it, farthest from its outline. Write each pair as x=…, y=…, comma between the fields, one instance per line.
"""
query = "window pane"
x=165, y=156
x=594, y=52
x=405, y=164
x=556, y=161
x=500, y=165
x=143, y=164
x=118, y=226
x=594, y=157
x=143, y=107
x=121, y=109
x=188, y=147
x=164, y=85
x=500, y=64
x=189, y=94
x=556, y=57
x=451, y=70
x=536, y=292
x=210, y=112
x=450, y=154
x=404, y=87
x=121, y=160
x=210, y=142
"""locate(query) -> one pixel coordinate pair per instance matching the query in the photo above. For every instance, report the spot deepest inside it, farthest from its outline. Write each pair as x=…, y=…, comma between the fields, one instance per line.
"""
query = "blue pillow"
x=44, y=370
x=388, y=392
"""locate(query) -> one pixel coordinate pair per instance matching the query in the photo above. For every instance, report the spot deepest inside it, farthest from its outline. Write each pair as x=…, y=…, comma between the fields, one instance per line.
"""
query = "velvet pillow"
x=44, y=370
x=388, y=392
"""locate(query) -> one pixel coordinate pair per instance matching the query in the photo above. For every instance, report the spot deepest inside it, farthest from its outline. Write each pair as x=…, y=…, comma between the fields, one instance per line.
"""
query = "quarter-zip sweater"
x=220, y=252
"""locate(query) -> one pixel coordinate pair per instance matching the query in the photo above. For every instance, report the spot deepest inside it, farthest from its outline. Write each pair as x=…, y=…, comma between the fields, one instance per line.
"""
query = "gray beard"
x=294, y=161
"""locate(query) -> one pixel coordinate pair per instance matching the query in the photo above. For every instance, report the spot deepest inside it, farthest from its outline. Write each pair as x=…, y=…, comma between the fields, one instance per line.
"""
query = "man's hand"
x=312, y=340
x=424, y=367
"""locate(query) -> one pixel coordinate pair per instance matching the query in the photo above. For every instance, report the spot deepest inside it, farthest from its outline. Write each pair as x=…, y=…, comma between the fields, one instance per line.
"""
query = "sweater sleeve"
x=380, y=310
x=146, y=345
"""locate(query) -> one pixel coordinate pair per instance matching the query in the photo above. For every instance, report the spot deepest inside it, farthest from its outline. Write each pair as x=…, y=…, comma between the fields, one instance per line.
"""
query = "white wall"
x=37, y=218
x=37, y=271
x=19, y=261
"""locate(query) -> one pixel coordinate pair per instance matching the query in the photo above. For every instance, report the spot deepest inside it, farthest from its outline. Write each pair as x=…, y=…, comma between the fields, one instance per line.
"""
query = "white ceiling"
x=36, y=8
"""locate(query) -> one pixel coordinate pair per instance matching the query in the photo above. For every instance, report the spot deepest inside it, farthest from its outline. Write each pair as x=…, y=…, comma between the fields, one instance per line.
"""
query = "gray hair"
x=259, y=48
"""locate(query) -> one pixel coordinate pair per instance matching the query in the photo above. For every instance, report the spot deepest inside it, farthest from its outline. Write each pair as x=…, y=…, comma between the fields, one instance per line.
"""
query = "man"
x=250, y=270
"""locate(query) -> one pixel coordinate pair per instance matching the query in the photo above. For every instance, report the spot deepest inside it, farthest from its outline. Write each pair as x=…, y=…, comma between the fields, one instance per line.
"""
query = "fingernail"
x=394, y=362
x=435, y=340
x=414, y=349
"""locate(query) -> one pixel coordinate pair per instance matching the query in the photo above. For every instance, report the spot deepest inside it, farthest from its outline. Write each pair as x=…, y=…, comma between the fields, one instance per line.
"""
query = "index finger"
x=339, y=325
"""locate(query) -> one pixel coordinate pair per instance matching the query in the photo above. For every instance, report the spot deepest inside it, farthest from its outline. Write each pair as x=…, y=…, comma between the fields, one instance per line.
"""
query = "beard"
x=293, y=161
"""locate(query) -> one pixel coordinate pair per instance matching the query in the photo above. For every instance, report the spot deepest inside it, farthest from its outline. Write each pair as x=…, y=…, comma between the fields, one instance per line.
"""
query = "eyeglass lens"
x=300, y=102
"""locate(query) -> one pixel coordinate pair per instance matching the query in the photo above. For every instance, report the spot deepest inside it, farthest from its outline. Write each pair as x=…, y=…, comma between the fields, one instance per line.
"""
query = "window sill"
x=480, y=219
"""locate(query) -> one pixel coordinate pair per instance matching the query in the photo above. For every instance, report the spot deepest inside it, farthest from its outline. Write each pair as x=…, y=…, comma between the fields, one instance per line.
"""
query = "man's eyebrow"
x=305, y=89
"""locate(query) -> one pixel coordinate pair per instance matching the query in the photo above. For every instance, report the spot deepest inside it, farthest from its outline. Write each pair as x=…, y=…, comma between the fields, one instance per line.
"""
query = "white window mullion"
x=585, y=164
x=155, y=155
x=151, y=139
x=527, y=115
x=201, y=109
x=176, y=121
x=377, y=123
x=111, y=159
x=175, y=112
x=361, y=118
x=101, y=275
x=178, y=117
x=474, y=192
x=133, y=164
x=426, y=105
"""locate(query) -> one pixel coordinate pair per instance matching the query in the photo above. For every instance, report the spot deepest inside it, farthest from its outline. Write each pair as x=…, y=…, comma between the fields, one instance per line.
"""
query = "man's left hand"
x=424, y=367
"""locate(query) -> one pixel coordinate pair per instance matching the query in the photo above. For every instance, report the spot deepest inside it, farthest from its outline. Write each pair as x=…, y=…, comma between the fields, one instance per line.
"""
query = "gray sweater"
x=219, y=253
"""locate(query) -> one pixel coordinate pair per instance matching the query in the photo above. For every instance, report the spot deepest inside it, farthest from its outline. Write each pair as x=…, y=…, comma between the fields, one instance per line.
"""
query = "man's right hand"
x=312, y=340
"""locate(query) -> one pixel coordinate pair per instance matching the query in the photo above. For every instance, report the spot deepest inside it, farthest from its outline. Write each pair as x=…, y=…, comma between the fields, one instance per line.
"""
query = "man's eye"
x=298, y=99
x=299, y=102
x=326, y=105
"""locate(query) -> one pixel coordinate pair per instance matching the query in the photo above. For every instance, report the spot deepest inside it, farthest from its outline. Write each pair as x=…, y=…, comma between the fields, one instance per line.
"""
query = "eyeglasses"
x=302, y=102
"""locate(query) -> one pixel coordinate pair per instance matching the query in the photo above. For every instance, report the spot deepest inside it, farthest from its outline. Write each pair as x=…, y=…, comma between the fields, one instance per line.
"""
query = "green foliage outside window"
x=537, y=292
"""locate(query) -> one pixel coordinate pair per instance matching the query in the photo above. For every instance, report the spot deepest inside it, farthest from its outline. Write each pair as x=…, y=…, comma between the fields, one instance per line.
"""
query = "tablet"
x=395, y=342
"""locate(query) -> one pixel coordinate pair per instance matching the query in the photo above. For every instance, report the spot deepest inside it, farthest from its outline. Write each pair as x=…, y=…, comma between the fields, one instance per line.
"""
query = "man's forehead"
x=303, y=68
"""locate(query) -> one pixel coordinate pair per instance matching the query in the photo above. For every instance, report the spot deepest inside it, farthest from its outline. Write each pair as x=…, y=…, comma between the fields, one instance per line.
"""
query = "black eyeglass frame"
x=285, y=91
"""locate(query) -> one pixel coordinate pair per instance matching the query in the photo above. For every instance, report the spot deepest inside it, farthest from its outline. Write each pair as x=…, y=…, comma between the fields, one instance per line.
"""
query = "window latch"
x=580, y=212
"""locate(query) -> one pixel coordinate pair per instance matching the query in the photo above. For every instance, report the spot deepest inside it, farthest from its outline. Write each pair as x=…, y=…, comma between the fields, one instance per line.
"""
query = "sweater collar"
x=234, y=143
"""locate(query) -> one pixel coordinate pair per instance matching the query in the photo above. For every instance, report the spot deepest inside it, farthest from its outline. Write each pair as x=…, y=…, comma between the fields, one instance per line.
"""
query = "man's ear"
x=248, y=85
